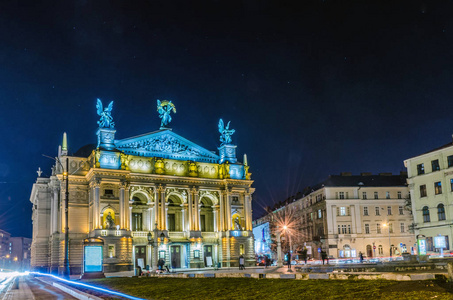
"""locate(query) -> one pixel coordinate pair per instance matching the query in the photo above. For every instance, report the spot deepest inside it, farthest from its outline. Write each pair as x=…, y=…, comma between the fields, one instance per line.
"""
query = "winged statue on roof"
x=225, y=132
x=164, y=108
x=106, y=120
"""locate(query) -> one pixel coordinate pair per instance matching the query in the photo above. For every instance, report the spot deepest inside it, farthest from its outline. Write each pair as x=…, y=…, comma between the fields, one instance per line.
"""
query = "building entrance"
x=175, y=257
x=140, y=256
x=208, y=256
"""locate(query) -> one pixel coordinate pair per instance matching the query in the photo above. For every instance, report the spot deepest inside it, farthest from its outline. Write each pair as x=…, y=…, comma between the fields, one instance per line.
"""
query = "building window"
x=402, y=227
x=365, y=211
x=341, y=195
x=437, y=188
x=435, y=165
x=108, y=193
x=420, y=169
x=423, y=190
x=339, y=229
x=376, y=195
x=377, y=211
x=401, y=210
x=111, y=250
x=367, y=228
x=343, y=229
x=387, y=195
x=136, y=222
x=363, y=195
x=426, y=218
x=319, y=214
x=389, y=210
x=451, y=184
x=450, y=161
x=400, y=196
x=378, y=228
x=440, y=212
x=390, y=228
x=342, y=211
x=380, y=250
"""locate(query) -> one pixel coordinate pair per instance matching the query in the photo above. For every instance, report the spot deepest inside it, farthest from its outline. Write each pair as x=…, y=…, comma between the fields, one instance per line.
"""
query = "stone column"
x=183, y=217
x=228, y=210
x=190, y=217
x=123, y=218
x=156, y=208
x=163, y=214
x=222, y=212
x=215, y=210
x=96, y=201
x=127, y=210
x=54, y=211
x=248, y=217
x=197, y=209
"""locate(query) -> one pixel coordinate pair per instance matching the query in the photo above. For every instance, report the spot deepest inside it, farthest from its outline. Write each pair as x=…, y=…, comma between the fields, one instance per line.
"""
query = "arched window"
x=426, y=218
x=380, y=250
x=440, y=212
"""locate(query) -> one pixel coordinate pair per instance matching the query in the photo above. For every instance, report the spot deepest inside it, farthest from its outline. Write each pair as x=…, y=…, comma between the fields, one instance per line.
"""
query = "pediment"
x=167, y=144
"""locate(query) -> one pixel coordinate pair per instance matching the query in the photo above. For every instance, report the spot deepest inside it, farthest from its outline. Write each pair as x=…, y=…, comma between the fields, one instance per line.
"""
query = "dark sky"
x=311, y=90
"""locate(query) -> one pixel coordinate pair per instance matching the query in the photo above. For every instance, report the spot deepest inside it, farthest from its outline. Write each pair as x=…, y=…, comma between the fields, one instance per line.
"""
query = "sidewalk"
x=22, y=293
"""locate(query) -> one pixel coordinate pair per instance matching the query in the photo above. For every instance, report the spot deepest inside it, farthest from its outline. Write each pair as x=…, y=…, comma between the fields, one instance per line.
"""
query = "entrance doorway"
x=208, y=256
x=140, y=256
x=369, y=251
x=175, y=257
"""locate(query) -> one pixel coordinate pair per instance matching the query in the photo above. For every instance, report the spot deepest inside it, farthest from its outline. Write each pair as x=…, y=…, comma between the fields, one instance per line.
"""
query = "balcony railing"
x=140, y=234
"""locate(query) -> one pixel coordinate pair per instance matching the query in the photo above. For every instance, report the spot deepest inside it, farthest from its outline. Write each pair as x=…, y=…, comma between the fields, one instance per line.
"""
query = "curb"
x=74, y=292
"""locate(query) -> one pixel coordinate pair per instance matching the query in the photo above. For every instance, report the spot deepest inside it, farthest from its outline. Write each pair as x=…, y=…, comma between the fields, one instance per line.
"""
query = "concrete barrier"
x=288, y=276
x=301, y=276
x=75, y=293
x=318, y=276
x=425, y=276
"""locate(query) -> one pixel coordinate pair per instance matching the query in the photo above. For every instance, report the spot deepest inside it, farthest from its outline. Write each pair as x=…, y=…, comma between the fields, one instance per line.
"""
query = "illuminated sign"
x=440, y=242
x=93, y=259
x=421, y=247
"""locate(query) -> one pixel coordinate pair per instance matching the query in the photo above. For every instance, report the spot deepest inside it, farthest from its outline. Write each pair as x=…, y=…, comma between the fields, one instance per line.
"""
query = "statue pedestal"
x=106, y=138
x=228, y=153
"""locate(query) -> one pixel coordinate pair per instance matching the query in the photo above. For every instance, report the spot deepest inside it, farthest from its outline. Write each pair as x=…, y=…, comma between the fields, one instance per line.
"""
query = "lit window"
x=342, y=211
x=420, y=169
x=319, y=214
x=111, y=250
x=426, y=218
x=450, y=161
x=435, y=165
x=441, y=212
x=437, y=188
x=423, y=190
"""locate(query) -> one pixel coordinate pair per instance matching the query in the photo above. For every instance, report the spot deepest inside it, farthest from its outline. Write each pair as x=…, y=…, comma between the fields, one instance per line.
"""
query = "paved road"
x=32, y=288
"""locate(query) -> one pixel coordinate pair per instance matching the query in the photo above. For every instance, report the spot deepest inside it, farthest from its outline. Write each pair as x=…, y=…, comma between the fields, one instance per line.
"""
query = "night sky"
x=311, y=90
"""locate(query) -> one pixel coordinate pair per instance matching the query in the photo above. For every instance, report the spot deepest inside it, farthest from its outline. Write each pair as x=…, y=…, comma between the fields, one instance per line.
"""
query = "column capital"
x=124, y=185
x=161, y=188
x=194, y=190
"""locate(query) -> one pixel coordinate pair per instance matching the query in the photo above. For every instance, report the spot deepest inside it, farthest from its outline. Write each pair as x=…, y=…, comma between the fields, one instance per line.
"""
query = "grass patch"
x=249, y=288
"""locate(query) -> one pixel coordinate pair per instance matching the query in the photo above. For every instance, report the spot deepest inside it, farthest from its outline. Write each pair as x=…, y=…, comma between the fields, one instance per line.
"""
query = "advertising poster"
x=93, y=259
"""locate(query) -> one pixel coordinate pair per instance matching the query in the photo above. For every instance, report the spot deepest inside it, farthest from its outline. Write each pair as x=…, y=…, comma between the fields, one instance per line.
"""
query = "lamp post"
x=279, y=250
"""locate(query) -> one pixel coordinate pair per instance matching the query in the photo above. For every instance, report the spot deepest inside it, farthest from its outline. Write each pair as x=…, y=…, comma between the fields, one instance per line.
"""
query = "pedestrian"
x=241, y=263
x=289, y=260
x=266, y=261
x=361, y=257
x=323, y=256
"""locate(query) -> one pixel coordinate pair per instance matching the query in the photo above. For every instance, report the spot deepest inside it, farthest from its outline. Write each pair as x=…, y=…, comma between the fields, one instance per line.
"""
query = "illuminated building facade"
x=430, y=179
x=157, y=195
x=348, y=214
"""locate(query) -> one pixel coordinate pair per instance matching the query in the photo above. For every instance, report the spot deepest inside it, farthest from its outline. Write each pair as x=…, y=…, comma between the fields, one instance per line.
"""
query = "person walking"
x=323, y=256
x=289, y=260
x=241, y=263
x=361, y=257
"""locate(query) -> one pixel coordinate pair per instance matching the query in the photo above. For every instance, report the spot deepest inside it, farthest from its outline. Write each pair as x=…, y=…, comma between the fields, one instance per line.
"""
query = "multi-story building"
x=346, y=215
x=430, y=179
x=5, y=248
x=149, y=197
x=20, y=253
